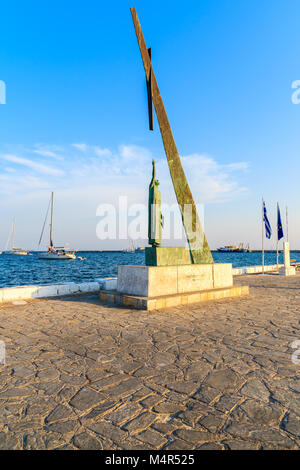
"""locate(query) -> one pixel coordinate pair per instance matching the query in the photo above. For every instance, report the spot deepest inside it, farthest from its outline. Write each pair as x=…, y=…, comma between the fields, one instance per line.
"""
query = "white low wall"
x=8, y=294
x=255, y=269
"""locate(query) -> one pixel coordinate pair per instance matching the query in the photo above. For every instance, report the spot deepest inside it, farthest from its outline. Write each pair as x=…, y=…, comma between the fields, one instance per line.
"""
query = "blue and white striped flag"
x=267, y=223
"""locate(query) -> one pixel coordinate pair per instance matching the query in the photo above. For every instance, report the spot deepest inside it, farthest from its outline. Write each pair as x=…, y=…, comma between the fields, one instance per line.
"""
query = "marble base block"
x=287, y=271
x=154, y=281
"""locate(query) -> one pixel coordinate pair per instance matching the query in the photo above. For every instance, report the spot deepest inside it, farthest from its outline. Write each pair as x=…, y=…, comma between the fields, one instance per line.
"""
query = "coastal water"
x=25, y=270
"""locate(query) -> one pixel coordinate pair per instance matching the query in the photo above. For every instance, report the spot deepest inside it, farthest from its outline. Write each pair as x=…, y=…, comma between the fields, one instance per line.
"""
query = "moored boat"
x=53, y=252
x=13, y=250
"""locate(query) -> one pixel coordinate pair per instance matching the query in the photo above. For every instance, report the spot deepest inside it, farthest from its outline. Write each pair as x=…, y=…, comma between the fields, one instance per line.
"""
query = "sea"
x=29, y=270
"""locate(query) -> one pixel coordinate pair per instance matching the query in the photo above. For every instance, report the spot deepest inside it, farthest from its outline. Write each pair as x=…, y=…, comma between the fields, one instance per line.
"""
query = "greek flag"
x=267, y=223
x=279, y=224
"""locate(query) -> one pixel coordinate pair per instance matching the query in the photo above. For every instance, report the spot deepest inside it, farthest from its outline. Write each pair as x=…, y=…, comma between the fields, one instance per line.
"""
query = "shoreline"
x=142, y=251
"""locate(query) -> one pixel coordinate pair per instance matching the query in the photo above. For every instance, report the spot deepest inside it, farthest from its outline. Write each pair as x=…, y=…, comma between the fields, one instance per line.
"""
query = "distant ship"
x=235, y=248
x=54, y=252
x=13, y=250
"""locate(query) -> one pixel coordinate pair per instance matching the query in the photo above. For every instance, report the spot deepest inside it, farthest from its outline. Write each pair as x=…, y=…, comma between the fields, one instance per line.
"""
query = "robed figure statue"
x=154, y=211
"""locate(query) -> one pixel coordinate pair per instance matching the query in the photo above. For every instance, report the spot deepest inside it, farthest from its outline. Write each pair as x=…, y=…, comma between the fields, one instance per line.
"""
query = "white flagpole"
x=262, y=239
x=277, y=254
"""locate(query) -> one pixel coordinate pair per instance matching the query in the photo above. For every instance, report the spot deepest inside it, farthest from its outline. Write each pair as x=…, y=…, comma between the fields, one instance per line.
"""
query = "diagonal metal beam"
x=199, y=249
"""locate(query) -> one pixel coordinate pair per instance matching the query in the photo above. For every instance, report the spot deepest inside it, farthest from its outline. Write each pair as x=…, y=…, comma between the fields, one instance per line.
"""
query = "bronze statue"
x=154, y=210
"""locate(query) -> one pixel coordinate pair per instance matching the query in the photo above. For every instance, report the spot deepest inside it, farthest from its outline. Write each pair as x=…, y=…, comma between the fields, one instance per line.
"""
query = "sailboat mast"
x=51, y=220
x=13, y=234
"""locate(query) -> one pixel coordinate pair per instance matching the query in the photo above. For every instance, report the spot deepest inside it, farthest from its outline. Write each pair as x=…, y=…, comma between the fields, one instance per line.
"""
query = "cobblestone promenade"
x=219, y=375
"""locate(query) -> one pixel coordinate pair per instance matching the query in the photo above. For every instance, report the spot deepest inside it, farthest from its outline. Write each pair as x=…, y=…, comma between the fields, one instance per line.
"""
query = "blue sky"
x=74, y=75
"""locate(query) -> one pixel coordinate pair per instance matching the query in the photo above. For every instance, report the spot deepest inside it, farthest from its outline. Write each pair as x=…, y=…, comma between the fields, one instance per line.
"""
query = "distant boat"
x=13, y=250
x=248, y=249
x=54, y=252
x=228, y=249
x=131, y=248
x=235, y=248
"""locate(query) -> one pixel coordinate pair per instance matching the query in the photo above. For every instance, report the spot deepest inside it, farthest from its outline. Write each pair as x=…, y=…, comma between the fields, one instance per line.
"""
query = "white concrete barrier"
x=255, y=269
x=8, y=294
x=108, y=283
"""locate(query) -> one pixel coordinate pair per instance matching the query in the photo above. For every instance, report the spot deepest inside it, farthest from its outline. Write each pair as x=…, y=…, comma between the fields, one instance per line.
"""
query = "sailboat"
x=14, y=251
x=54, y=252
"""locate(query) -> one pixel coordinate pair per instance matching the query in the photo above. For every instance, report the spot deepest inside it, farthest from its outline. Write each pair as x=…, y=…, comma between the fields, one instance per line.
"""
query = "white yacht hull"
x=56, y=256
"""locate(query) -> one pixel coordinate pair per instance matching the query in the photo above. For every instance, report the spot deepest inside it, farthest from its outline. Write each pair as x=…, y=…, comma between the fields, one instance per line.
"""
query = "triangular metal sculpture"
x=199, y=248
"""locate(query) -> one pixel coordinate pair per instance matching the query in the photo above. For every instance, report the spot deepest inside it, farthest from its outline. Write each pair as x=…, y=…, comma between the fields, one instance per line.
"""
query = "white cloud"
x=46, y=153
x=81, y=146
x=128, y=167
x=33, y=165
x=211, y=181
x=87, y=181
x=102, y=152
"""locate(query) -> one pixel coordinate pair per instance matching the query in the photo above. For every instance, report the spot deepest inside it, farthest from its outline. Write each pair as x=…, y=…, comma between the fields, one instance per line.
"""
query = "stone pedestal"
x=152, y=281
x=156, y=287
x=287, y=269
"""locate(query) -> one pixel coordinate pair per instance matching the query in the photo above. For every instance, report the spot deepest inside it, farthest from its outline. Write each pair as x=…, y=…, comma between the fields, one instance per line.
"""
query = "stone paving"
x=218, y=375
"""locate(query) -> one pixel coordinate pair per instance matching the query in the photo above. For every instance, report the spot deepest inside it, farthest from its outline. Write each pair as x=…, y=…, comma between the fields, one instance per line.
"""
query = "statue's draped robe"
x=154, y=212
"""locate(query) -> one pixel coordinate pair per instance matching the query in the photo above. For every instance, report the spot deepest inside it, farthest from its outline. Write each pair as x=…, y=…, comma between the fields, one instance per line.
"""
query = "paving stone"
x=232, y=444
x=108, y=430
x=134, y=444
x=212, y=422
x=86, y=398
x=255, y=389
x=47, y=374
x=85, y=441
x=72, y=379
x=50, y=388
x=291, y=424
x=23, y=371
x=153, y=438
x=167, y=408
x=187, y=388
x=62, y=427
x=124, y=389
x=191, y=435
x=102, y=409
x=106, y=382
x=227, y=403
x=164, y=428
x=124, y=413
x=59, y=412
x=207, y=394
x=179, y=444
x=17, y=393
x=210, y=446
x=263, y=413
x=140, y=423
x=9, y=442
x=225, y=379
x=151, y=401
